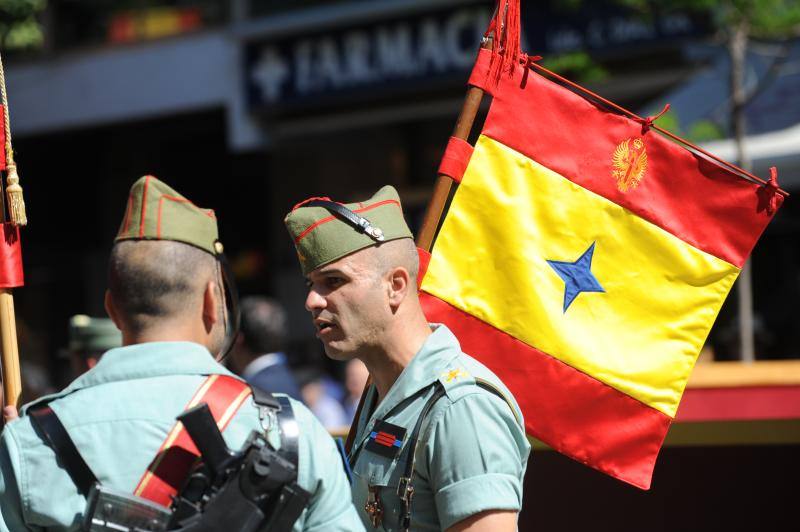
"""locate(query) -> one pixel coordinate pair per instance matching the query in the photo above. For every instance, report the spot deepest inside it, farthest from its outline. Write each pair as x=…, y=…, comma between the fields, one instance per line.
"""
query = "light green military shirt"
x=472, y=450
x=119, y=413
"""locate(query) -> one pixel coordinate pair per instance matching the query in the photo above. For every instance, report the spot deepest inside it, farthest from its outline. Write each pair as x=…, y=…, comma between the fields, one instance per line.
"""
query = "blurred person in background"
x=258, y=353
x=355, y=378
x=317, y=397
x=89, y=338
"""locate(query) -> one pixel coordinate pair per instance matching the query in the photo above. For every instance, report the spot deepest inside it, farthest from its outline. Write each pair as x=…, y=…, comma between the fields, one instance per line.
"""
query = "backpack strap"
x=57, y=438
x=290, y=432
x=405, y=488
x=168, y=470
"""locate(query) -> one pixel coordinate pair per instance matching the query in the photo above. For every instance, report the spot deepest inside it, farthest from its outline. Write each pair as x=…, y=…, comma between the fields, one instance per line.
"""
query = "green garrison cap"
x=157, y=212
x=324, y=232
x=92, y=334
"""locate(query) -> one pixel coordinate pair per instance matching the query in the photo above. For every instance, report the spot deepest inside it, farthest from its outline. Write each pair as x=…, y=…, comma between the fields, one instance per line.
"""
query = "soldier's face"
x=348, y=302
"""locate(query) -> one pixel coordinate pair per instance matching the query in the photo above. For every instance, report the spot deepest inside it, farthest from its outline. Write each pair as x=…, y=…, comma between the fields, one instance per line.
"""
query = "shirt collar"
x=151, y=359
x=439, y=349
x=261, y=363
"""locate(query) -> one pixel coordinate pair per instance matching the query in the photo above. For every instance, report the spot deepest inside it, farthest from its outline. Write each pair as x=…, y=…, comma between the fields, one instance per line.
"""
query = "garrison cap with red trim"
x=155, y=211
x=321, y=235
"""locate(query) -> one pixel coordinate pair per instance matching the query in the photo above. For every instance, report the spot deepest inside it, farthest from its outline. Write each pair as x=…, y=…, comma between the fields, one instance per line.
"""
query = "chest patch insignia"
x=386, y=439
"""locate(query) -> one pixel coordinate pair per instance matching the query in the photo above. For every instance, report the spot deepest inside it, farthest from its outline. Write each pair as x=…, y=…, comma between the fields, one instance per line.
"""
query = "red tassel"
x=506, y=28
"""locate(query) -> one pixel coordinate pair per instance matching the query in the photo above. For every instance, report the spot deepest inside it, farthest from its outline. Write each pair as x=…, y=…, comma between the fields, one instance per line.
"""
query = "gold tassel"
x=16, y=204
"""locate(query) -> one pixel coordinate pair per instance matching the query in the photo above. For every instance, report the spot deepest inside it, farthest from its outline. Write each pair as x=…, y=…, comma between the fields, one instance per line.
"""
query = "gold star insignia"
x=454, y=374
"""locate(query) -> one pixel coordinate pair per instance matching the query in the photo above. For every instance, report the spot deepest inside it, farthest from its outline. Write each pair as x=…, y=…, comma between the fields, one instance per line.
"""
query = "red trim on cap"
x=126, y=224
x=207, y=212
x=330, y=218
x=144, y=205
x=323, y=198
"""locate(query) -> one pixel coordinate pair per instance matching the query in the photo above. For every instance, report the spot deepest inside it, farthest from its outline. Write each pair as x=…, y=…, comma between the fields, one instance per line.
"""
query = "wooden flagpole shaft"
x=433, y=214
x=441, y=191
x=9, y=356
x=12, y=380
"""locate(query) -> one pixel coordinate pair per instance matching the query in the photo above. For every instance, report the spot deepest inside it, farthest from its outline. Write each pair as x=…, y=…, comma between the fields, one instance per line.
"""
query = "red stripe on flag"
x=694, y=199
x=572, y=412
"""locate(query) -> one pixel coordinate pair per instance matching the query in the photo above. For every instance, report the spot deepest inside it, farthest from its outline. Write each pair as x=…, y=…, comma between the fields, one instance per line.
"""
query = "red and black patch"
x=386, y=439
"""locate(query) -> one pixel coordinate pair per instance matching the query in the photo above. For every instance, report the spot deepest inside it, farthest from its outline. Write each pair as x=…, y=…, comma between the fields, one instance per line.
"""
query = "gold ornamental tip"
x=16, y=203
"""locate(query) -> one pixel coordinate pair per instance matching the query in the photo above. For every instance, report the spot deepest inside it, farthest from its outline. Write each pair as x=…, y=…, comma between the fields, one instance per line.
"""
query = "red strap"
x=170, y=467
x=10, y=257
x=456, y=158
x=480, y=72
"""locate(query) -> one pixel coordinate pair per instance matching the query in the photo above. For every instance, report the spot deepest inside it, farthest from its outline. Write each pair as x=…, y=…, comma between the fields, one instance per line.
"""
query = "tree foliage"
x=19, y=27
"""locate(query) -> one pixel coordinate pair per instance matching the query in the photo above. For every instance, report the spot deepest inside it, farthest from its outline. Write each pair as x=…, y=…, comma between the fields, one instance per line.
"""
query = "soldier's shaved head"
x=395, y=253
x=157, y=280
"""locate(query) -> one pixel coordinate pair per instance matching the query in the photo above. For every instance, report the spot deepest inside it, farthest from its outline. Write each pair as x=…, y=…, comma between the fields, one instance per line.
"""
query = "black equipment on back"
x=252, y=490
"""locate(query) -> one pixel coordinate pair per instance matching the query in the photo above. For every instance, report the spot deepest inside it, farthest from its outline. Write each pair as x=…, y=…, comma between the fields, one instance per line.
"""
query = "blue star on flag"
x=577, y=276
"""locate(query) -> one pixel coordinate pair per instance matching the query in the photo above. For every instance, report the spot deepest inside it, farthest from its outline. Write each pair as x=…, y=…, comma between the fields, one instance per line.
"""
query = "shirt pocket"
x=376, y=470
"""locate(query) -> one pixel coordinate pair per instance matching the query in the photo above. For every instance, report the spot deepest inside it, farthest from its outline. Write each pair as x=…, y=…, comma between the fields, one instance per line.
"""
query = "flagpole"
x=441, y=191
x=15, y=207
x=12, y=378
x=435, y=209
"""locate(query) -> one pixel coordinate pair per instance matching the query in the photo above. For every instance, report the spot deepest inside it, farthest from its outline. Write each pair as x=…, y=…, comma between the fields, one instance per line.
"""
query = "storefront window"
x=95, y=22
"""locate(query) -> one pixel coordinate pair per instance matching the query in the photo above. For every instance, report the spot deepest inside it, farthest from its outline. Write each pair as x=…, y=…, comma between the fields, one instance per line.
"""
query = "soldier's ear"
x=211, y=304
x=399, y=283
x=111, y=310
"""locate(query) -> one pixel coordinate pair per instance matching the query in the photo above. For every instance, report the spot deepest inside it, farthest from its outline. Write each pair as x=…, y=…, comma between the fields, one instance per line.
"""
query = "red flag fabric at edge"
x=683, y=193
x=689, y=197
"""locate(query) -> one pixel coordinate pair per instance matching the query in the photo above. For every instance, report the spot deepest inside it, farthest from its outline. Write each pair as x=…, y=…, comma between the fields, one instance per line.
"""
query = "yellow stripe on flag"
x=641, y=335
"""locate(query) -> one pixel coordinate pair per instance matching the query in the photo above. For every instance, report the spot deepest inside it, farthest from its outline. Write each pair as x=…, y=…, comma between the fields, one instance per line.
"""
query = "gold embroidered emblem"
x=629, y=164
x=454, y=374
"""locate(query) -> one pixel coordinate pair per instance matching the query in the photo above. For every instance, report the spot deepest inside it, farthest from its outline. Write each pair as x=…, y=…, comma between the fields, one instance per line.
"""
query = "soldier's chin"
x=335, y=353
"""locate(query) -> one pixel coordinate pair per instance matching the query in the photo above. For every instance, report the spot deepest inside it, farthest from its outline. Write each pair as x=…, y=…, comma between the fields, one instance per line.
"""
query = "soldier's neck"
x=174, y=332
x=387, y=362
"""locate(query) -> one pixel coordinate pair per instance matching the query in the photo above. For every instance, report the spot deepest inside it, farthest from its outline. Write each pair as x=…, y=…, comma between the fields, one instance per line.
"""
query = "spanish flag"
x=584, y=258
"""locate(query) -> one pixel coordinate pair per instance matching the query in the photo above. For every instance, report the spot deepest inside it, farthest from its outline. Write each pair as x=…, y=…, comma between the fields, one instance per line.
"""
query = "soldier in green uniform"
x=440, y=443
x=89, y=338
x=165, y=295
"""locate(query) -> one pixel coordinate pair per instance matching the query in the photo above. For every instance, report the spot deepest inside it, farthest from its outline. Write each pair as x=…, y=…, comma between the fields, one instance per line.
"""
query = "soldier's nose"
x=314, y=301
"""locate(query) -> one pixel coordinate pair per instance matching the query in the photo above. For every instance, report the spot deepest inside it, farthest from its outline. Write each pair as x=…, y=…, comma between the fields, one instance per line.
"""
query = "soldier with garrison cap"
x=89, y=338
x=166, y=295
x=439, y=443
